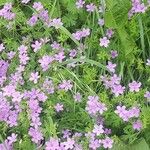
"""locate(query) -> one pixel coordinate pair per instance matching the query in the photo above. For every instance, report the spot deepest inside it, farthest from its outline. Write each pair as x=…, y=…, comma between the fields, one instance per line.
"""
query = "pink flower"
x=17, y=97
x=66, y=85
x=36, y=135
x=109, y=33
x=12, y=139
x=60, y=56
x=34, y=77
x=104, y=41
x=81, y=34
x=33, y=20
x=93, y=106
x=111, y=67
x=101, y=22
x=37, y=6
x=56, y=23
x=69, y=144
x=98, y=129
x=11, y=54
x=107, y=142
x=91, y=7
x=118, y=90
x=77, y=97
x=36, y=46
x=137, y=125
x=45, y=62
x=134, y=86
x=80, y=3
x=147, y=95
x=114, y=54
x=52, y=144
x=59, y=107
x=94, y=144
x=55, y=45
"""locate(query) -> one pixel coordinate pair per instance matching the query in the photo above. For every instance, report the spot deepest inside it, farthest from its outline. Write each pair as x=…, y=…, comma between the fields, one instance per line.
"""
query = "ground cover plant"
x=74, y=74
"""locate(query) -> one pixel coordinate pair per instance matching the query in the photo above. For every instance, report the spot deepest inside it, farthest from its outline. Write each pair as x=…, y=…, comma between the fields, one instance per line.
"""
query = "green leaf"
x=140, y=145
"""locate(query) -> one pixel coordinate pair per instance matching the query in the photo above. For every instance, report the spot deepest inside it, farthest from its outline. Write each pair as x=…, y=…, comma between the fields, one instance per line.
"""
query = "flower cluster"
x=89, y=7
x=48, y=86
x=35, y=97
x=45, y=62
x=127, y=114
x=94, y=106
x=6, y=12
x=113, y=83
x=81, y=34
x=137, y=7
x=65, y=85
x=8, y=143
x=8, y=113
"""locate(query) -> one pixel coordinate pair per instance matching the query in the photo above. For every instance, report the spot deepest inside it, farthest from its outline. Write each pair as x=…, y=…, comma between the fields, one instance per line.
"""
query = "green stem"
x=142, y=36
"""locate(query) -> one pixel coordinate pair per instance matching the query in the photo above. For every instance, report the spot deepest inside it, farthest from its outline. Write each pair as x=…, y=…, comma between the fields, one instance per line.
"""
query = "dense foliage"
x=74, y=74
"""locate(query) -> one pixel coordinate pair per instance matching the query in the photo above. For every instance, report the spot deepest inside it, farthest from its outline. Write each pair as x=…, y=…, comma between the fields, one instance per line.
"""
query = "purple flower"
x=59, y=107
x=109, y=33
x=77, y=97
x=107, y=131
x=17, y=97
x=147, y=95
x=101, y=22
x=69, y=144
x=91, y=7
x=104, y=41
x=56, y=22
x=48, y=86
x=66, y=85
x=118, y=90
x=73, y=53
x=134, y=112
x=52, y=144
x=33, y=20
x=44, y=16
x=134, y=86
x=45, y=62
x=93, y=106
x=34, y=77
x=9, y=90
x=114, y=54
x=36, y=46
x=127, y=114
x=11, y=55
x=60, y=56
x=107, y=142
x=94, y=144
x=36, y=135
x=37, y=6
x=115, y=80
x=55, y=45
x=3, y=68
x=137, y=125
x=98, y=129
x=11, y=139
x=2, y=47
x=111, y=67
x=81, y=34
x=80, y=3
x=66, y=133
